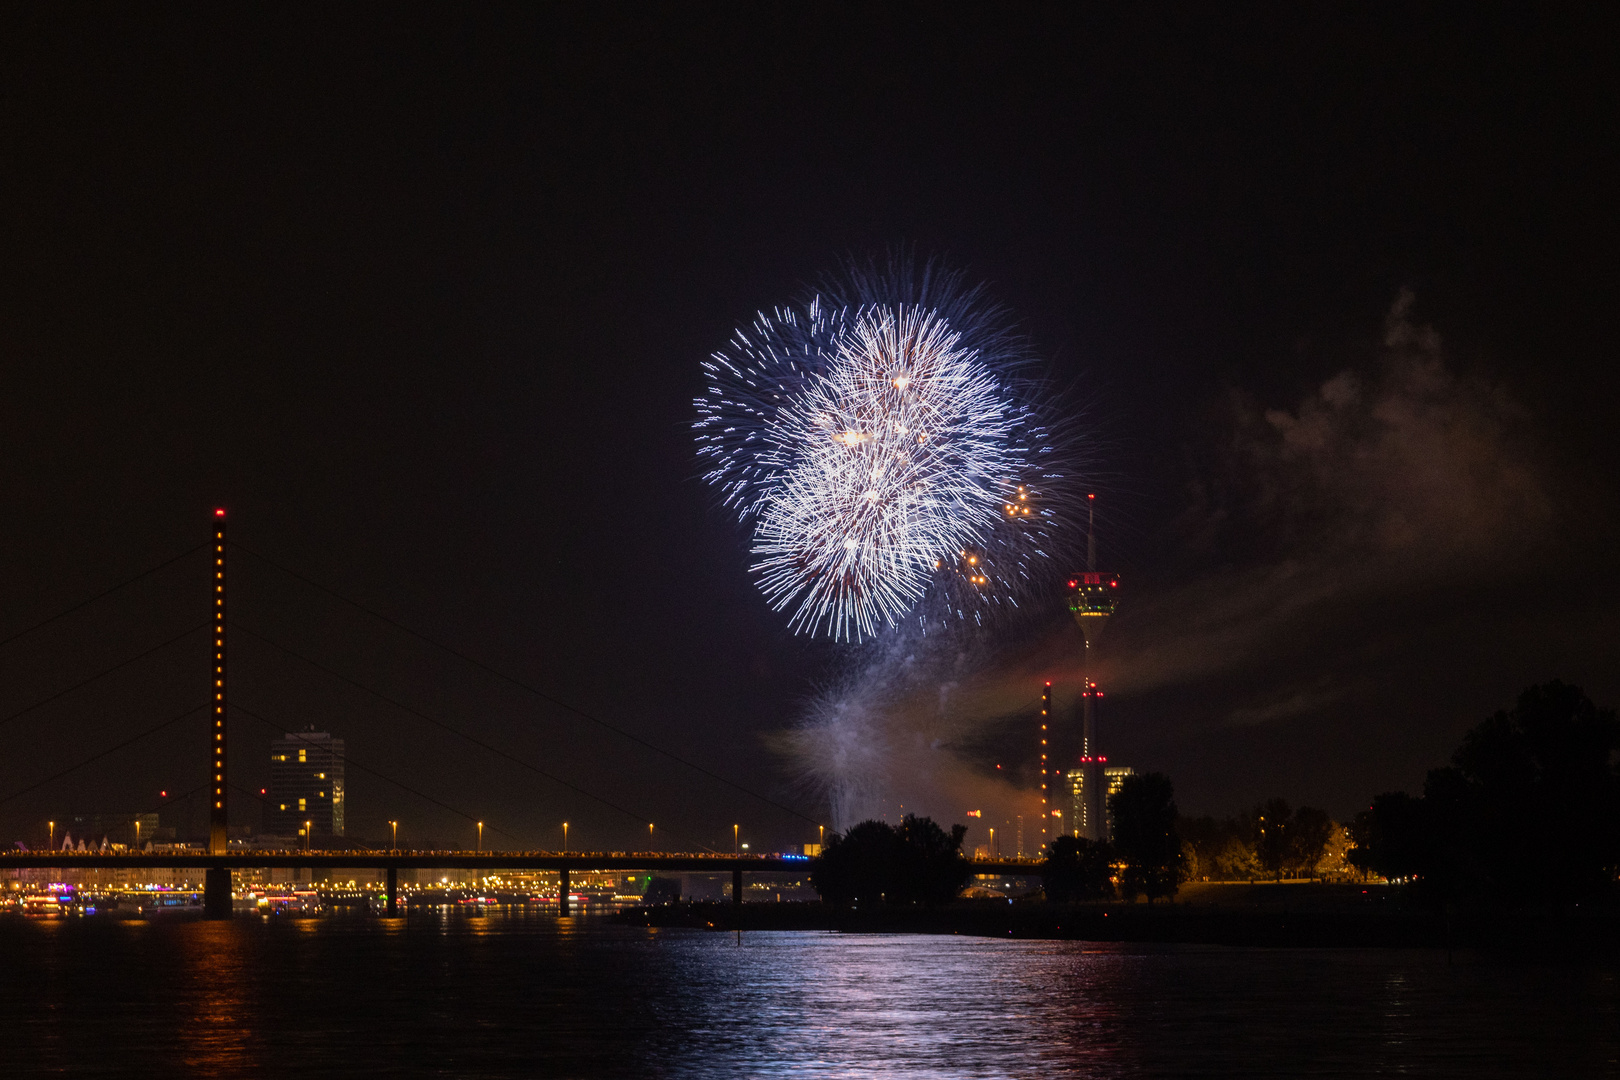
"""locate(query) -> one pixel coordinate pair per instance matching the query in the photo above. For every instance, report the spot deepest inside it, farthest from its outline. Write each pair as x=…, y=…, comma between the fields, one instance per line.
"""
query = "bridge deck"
x=449, y=860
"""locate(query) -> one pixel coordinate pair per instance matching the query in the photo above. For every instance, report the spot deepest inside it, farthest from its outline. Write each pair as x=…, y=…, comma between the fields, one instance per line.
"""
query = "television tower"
x=1092, y=599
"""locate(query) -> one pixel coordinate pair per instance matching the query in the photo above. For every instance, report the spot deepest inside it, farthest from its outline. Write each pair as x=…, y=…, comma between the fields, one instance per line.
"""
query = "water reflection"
x=214, y=1022
x=525, y=994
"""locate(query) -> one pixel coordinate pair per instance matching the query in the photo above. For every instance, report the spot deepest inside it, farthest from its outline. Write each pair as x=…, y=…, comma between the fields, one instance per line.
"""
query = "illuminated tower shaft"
x=1092, y=601
x=218, y=834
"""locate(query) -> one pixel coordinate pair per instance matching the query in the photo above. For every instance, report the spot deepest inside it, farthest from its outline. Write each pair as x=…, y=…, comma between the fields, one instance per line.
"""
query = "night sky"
x=421, y=300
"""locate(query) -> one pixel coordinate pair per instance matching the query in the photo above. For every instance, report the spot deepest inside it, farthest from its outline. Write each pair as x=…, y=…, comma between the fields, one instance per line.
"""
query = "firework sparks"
x=882, y=455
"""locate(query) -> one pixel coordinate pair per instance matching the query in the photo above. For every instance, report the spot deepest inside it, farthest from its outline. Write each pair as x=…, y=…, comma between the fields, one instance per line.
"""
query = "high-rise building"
x=1079, y=803
x=1112, y=777
x=306, y=785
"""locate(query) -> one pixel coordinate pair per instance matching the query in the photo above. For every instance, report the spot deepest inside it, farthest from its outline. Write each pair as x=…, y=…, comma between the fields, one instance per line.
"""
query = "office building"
x=306, y=785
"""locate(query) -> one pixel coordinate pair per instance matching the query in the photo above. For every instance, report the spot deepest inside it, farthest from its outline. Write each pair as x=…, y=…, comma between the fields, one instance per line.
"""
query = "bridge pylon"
x=217, y=886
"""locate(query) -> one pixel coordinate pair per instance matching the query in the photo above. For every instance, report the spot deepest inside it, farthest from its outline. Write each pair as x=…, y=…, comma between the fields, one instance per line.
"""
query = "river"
x=530, y=995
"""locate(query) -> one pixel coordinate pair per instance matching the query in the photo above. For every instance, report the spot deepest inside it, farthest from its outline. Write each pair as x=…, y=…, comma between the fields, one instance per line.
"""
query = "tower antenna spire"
x=1091, y=534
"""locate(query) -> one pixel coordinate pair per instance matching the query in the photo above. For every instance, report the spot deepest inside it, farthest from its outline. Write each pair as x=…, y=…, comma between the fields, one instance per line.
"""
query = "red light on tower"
x=219, y=513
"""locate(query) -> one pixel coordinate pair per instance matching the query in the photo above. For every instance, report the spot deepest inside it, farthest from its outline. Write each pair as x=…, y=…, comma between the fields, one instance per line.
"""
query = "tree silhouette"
x=917, y=862
x=1309, y=831
x=1528, y=808
x=1078, y=869
x=1271, y=820
x=1144, y=816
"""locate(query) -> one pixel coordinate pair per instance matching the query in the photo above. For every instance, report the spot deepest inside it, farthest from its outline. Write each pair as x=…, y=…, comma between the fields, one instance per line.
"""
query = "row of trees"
x=917, y=862
x=1528, y=811
x=1273, y=840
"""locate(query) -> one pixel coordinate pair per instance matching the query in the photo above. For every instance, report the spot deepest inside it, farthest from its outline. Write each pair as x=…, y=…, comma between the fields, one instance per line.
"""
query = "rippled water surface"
x=533, y=996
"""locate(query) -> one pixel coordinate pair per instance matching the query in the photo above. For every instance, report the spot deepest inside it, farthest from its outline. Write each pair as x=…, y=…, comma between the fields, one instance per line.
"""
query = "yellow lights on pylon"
x=218, y=817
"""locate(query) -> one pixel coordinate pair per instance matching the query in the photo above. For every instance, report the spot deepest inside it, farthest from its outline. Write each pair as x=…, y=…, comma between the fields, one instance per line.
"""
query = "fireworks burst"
x=883, y=453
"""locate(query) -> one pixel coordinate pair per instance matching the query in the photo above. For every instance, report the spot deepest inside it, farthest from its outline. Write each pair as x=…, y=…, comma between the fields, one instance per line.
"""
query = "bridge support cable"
x=474, y=740
x=100, y=675
x=103, y=753
x=527, y=688
x=64, y=613
x=349, y=761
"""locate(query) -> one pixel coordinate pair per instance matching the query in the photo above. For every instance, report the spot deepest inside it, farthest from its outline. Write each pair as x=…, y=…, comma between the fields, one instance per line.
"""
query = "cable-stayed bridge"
x=222, y=856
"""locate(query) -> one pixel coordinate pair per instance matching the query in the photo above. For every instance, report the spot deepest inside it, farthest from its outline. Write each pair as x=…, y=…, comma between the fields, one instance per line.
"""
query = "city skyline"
x=1352, y=451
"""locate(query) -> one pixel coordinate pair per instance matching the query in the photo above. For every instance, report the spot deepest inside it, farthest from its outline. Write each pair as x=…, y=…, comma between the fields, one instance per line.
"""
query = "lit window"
x=300, y=804
x=302, y=755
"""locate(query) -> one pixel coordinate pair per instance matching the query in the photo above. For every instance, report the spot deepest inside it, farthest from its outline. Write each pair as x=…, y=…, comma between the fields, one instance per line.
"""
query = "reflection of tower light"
x=1092, y=599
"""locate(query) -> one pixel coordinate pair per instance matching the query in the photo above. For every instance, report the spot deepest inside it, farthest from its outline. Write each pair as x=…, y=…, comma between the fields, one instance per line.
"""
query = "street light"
x=307, y=826
x=52, y=844
x=821, y=837
x=736, y=836
x=565, y=838
x=480, y=837
x=992, y=842
x=394, y=844
x=650, y=846
x=137, y=834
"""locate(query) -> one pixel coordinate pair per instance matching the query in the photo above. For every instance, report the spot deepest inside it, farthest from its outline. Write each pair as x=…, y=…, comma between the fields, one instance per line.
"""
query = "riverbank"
x=1290, y=916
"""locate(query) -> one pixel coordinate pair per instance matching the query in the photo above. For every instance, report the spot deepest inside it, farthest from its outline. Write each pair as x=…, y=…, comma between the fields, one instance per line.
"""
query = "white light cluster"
x=875, y=451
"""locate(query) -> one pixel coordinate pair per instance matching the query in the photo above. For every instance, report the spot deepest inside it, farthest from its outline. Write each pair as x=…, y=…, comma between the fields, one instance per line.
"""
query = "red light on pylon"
x=219, y=513
x=163, y=794
x=1091, y=496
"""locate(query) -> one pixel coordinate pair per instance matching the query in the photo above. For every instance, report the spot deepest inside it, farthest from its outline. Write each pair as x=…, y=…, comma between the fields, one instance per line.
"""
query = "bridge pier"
x=217, y=892
x=736, y=886
x=393, y=891
x=562, y=891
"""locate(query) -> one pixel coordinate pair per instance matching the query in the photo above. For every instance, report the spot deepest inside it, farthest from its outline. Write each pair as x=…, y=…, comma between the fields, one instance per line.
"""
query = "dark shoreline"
x=1592, y=935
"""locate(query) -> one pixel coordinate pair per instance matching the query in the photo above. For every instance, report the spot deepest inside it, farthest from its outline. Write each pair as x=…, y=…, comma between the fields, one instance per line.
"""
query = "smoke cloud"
x=1384, y=483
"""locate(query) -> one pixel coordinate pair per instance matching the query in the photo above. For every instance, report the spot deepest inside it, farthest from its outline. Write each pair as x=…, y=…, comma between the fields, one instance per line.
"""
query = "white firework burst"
x=902, y=458
x=883, y=455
